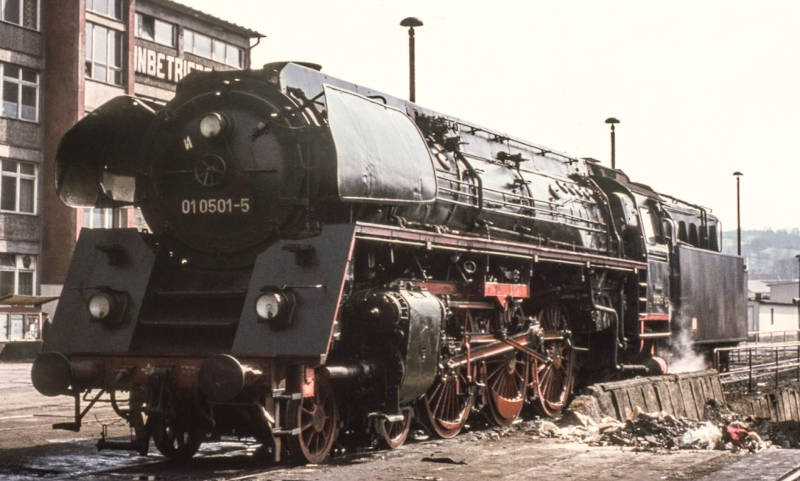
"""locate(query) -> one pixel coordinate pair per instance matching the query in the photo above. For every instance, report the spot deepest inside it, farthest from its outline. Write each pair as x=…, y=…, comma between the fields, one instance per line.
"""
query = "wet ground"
x=30, y=449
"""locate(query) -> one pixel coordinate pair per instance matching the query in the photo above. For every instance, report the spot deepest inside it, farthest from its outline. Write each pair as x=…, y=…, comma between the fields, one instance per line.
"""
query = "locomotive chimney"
x=612, y=121
x=411, y=22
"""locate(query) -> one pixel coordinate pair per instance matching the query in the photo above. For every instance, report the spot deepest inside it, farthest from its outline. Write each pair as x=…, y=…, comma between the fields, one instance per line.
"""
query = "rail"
x=755, y=361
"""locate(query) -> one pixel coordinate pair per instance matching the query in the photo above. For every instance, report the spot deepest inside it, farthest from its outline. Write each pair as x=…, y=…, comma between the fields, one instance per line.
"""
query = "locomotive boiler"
x=326, y=259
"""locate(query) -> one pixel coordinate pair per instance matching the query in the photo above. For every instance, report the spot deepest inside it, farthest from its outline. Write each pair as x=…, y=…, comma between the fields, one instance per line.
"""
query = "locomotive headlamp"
x=275, y=308
x=108, y=306
x=100, y=306
x=212, y=124
x=268, y=306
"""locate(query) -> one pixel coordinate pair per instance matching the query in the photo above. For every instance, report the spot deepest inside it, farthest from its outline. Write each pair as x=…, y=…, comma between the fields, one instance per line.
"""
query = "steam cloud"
x=682, y=358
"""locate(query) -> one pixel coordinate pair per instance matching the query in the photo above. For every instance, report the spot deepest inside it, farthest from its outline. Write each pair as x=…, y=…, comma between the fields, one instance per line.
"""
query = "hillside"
x=769, y=254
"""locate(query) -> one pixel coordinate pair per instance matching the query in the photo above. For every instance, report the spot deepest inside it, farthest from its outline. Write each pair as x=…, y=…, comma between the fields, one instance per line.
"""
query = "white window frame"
x=103, y=14
x=18, y=176
x=20, y=267
x=20, y=83
x=110, y=69
x=22, y=14
x=214, y=41
x=174, y=37
x=112, y=218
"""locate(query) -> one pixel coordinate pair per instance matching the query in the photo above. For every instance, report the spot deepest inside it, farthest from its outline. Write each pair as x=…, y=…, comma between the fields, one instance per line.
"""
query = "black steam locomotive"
x=325, y=258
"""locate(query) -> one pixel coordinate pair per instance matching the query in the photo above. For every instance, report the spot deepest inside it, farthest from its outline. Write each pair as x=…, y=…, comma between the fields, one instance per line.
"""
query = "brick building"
x=60, y=59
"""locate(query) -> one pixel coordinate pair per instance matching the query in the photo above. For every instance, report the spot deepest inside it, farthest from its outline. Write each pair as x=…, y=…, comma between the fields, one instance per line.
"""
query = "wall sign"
x=165, y=67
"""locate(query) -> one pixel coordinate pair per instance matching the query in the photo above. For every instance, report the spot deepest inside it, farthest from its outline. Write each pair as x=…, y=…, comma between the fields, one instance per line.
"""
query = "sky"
x=702, y=88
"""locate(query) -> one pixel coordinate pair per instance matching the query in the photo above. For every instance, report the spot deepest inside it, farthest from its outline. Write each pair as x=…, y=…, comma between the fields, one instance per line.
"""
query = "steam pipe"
x=349, y=371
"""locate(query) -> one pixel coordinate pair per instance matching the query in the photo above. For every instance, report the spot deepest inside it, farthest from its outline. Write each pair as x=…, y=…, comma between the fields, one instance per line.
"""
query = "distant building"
x=772, y=307
x=59, y=60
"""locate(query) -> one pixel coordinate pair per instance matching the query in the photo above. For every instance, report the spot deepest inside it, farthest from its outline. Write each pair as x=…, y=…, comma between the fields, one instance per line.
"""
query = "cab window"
x=626, y=211
x=650, y=225
x=682, y=235
x=713, y=238
x=693, y=235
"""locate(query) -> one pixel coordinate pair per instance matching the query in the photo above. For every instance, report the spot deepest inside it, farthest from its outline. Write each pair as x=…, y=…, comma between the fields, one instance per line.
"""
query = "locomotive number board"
x=242, y=205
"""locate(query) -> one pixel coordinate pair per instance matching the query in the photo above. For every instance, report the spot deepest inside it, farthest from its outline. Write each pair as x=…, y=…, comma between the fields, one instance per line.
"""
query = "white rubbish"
x=705, y=436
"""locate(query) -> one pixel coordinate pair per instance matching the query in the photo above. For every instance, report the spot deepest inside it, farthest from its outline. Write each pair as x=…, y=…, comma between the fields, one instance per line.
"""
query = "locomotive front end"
x=230, y=300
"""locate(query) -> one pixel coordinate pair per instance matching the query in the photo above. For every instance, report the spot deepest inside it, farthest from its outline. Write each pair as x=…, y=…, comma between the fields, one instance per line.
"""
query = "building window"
x=104, y=53
x=104, y=218
x=24, y=13
x=155, y=30
x=17, y=274
x=20, y=87
x=212, y=48
x=109, y=8
x=18, y=187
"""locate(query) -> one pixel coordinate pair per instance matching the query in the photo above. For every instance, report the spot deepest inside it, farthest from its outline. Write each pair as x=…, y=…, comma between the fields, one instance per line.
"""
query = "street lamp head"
x=738, y=174
x=411, y=22
x=612, y=120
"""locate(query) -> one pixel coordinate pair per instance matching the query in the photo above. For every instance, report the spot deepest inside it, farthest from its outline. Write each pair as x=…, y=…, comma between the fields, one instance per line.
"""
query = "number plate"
x=224, y=206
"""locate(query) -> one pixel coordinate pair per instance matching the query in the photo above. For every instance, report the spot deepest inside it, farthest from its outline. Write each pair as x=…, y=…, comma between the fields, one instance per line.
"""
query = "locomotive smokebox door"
x=294, y=294
x=380, y=153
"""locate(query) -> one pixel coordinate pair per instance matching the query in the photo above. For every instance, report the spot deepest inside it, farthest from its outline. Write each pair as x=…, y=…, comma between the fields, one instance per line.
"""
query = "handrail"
x=760, y=360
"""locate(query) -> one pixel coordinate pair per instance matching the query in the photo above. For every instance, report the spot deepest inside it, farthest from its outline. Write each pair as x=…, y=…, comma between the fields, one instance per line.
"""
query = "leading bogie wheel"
x=393, y=434
x=173, y=439
x=318, y=420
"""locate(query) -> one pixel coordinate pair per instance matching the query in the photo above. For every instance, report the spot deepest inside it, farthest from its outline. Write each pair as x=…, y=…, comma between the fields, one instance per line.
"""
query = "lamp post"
x=798, y=298
x=411, y=22
x=612, y=121
x=738, y=174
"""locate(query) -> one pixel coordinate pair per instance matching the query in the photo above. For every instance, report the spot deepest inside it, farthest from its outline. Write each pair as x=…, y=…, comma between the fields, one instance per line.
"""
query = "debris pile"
x=785, y=434
x=653, y=431
x=721, y=428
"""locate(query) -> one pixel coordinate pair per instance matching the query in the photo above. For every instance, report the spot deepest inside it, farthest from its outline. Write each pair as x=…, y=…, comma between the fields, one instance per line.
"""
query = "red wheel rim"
x=553, y=381
x=505, y=385
x=447, y=405
x=393, y=435
x=318, y=419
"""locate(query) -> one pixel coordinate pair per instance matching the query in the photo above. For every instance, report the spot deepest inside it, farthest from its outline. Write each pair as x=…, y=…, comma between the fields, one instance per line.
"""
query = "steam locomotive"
x=325, y=259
